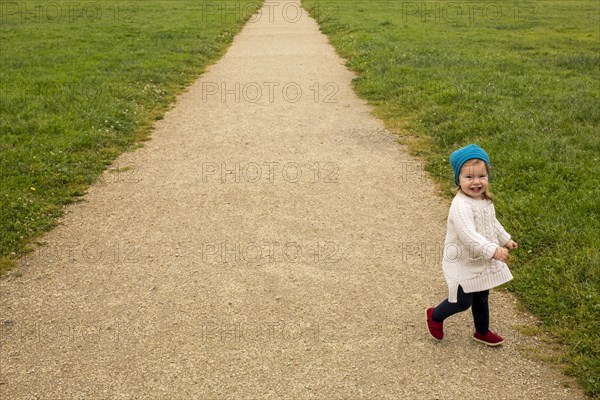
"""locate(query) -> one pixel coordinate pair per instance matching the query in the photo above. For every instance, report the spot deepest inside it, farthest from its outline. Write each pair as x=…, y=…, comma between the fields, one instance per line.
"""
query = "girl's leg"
x=446, y=309
x=481, y=311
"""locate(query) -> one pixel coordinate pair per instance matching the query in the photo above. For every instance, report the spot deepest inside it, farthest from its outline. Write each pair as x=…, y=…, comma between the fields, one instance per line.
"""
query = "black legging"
x=480, y=309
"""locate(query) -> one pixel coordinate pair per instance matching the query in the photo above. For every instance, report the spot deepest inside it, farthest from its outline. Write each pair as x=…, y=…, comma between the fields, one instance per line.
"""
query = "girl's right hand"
x=501, y=254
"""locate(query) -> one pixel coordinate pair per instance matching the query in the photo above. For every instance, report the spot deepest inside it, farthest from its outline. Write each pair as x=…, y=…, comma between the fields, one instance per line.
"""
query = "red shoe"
x=490, y=338
x=435, y=328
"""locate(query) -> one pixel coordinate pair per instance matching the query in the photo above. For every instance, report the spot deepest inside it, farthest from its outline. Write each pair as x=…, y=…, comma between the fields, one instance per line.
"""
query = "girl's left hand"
x=511, y=245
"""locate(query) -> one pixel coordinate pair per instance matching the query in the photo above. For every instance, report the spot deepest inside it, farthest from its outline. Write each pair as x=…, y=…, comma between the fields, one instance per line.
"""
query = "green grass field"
x=521, y=79
x=80, y=82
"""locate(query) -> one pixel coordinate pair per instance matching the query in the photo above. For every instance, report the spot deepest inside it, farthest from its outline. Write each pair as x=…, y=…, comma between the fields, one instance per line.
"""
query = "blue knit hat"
x=462, y=155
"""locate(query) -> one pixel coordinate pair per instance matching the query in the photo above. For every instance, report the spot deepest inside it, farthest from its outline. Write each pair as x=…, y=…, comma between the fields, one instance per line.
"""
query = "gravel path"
x=271, y=241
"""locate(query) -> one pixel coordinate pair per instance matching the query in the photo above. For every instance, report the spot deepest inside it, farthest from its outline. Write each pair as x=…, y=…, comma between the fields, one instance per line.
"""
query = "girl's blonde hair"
x=486, y=194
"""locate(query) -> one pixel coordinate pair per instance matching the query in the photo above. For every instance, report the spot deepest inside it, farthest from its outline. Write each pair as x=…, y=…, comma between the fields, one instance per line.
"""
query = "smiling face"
x=473, y=178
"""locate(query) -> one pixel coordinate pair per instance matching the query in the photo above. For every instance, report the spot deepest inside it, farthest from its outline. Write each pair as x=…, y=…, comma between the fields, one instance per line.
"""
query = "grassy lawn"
x=521, y=79
x=81, y=82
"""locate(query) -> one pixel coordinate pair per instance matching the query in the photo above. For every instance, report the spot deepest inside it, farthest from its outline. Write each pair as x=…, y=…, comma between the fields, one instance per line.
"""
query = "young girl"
x=476, y=247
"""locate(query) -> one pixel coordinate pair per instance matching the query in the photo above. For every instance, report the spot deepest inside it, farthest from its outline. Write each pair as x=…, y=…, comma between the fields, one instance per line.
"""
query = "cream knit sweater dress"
x=472, y=237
